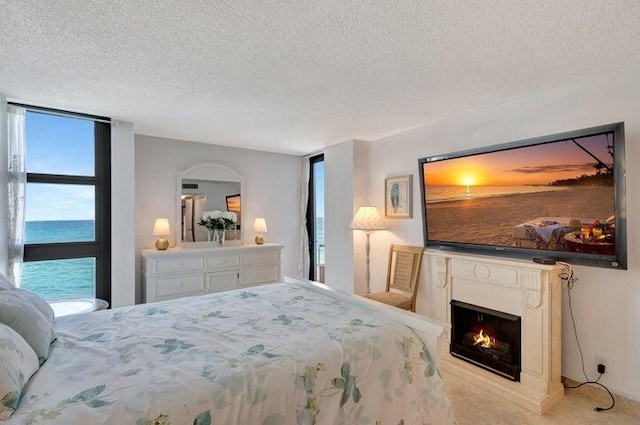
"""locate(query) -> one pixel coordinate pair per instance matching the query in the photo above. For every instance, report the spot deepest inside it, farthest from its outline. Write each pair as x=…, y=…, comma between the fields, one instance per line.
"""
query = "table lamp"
x=260, y=227
x=161, y=228
x=368, y=219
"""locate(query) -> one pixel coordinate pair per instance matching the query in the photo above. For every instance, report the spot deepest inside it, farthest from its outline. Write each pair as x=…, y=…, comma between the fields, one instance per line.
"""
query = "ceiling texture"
x=294, y=76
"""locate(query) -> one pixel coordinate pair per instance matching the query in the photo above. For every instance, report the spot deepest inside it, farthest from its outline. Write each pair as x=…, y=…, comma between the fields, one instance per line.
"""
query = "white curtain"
x=17, y=180
x=302, y=263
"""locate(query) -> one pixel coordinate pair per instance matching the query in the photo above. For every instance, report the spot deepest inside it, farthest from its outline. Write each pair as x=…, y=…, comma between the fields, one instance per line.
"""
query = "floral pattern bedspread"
x=271, y=355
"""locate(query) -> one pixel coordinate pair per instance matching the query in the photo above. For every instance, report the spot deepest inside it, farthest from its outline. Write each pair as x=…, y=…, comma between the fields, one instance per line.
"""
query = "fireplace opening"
x=487, y=338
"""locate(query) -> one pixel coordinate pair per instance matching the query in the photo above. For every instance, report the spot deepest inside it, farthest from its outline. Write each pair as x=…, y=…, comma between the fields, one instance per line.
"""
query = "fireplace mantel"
x=518, y=287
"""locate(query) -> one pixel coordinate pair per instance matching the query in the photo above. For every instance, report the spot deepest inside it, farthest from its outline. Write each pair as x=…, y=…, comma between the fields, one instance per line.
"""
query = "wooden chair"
x=403, y=276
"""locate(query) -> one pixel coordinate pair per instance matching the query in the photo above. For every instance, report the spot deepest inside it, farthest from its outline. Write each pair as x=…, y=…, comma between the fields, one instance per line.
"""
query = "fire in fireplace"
x=487, y=338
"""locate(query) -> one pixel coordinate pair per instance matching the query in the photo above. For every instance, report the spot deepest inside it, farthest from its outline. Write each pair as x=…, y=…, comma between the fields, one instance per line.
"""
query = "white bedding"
x=271, y=355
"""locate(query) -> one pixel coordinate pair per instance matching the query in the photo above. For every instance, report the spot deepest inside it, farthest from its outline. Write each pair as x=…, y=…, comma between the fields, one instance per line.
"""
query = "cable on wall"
x=569, y=280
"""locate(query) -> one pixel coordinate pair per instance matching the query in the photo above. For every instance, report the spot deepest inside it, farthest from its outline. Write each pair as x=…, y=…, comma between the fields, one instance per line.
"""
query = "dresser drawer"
x=258, y=275
x=221, y=281
x=181, y=273
x=260, y=257
x=170, y=265
x=178, y=285
x=224, y=260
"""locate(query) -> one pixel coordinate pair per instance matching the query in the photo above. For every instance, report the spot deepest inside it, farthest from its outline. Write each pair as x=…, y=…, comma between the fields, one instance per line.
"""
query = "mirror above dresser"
x=207, y=187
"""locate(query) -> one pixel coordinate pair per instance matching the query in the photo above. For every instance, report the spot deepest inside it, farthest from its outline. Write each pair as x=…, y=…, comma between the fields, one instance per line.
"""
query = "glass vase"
x=219, y=236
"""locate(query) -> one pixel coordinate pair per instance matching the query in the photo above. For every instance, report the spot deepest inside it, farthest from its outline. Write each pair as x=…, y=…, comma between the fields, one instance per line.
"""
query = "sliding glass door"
x=315, y=218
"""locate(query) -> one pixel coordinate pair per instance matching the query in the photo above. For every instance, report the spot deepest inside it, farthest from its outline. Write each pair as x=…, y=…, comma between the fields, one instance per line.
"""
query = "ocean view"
x=447, y=193
x=60, y=279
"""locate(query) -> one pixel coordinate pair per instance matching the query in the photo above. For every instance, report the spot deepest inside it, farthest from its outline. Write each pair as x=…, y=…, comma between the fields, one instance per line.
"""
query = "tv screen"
x=558, y=197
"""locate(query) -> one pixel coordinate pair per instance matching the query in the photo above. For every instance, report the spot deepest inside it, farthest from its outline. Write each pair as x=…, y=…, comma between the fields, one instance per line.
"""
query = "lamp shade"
x=161, y=227
x=260, y=225
x=368, y=218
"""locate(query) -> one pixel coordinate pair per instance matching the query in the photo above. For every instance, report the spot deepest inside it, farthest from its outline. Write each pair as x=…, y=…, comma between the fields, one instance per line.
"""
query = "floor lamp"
x=367, y=219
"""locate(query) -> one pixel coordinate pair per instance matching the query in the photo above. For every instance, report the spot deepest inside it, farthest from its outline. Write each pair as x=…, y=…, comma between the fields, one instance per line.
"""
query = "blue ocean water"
x=458, y=192
x=60, y=279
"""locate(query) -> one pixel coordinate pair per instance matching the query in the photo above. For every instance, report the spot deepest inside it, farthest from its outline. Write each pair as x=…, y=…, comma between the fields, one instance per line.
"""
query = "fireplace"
x=518, y=303
x=487, y=338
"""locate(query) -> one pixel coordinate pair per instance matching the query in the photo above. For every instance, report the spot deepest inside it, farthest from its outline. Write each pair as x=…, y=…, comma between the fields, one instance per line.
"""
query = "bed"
x=287, y=353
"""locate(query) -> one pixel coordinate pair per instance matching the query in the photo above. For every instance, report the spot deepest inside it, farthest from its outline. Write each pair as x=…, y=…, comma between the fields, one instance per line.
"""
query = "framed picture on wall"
x=397, y=197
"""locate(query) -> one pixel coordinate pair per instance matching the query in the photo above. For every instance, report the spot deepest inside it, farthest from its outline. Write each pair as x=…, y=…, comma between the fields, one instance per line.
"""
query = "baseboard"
x=602, y=398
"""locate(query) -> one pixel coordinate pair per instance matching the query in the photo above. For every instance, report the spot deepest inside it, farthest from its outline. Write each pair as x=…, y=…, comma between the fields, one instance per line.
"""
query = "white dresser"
x=178, y=272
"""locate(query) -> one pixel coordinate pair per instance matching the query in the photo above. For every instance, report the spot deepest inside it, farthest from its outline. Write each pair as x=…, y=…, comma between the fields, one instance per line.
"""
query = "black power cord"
x=567, y=276
x=597, y=408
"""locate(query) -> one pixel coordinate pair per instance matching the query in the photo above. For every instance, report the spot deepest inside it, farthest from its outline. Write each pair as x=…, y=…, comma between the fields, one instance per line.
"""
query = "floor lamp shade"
x=368, y=219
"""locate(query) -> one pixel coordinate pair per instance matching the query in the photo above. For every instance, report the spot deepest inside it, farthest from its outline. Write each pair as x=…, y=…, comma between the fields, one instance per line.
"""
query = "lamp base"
x=259, y=239
x=162, y=244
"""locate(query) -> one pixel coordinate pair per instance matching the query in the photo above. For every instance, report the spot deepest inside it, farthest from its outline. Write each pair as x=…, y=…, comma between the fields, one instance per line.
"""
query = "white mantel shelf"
x=519, y=287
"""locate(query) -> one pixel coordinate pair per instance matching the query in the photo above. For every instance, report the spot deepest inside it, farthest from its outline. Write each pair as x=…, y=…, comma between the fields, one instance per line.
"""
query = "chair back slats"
x=403, y=271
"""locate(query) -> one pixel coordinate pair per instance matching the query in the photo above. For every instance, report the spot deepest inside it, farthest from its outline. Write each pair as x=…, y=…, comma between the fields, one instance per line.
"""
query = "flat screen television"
x=558, y=197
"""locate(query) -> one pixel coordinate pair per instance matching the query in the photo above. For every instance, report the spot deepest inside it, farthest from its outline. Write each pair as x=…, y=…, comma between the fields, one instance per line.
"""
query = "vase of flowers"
x=217, y=223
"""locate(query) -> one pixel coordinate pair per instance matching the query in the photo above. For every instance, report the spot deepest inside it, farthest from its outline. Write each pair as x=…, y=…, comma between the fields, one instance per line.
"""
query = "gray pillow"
x=38, y=302
x=18, y=363
x=24, y=318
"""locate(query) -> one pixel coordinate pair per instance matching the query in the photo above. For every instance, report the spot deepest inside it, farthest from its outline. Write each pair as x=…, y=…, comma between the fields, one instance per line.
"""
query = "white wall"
x=123, y=200
x=606, y=302
x=271, y=190
x=346, y=179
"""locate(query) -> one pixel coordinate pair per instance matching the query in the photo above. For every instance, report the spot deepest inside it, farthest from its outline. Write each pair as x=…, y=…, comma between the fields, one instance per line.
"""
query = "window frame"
x=100, y=248
x=311, y=208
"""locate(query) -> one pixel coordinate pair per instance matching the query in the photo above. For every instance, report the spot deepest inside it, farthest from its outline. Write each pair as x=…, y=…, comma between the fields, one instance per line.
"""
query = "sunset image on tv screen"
x=556, y=196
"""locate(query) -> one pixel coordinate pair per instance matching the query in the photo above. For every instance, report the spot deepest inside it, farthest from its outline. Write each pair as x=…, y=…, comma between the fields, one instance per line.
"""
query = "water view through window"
x=318, y=217
x=60, y=279
x=60, y=206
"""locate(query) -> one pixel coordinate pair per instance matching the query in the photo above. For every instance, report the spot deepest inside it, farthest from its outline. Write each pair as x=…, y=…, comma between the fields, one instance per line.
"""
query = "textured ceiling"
x=294, y=76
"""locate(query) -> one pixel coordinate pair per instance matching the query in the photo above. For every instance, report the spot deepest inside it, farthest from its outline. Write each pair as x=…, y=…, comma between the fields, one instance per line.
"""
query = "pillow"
x=38, y=302
x=18, y=363
x=20, y=315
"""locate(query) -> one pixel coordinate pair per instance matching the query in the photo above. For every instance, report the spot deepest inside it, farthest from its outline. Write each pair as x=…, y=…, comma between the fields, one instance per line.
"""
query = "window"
x=315, y=218
x=67, y=207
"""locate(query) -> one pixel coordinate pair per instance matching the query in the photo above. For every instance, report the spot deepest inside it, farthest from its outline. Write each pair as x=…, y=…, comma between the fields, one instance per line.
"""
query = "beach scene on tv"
x=555, y=196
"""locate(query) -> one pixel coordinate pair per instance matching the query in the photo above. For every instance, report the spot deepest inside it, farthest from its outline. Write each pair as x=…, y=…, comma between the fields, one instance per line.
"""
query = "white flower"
x=219, y=220
x=211, y=215
x=228, y=215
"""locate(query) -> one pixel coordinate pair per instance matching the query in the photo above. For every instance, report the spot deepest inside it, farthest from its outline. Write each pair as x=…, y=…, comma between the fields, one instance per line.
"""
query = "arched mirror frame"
x=210, y=172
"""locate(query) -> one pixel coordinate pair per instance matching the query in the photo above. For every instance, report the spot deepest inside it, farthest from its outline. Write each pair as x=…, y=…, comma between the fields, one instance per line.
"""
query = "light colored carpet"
x=473, y=404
